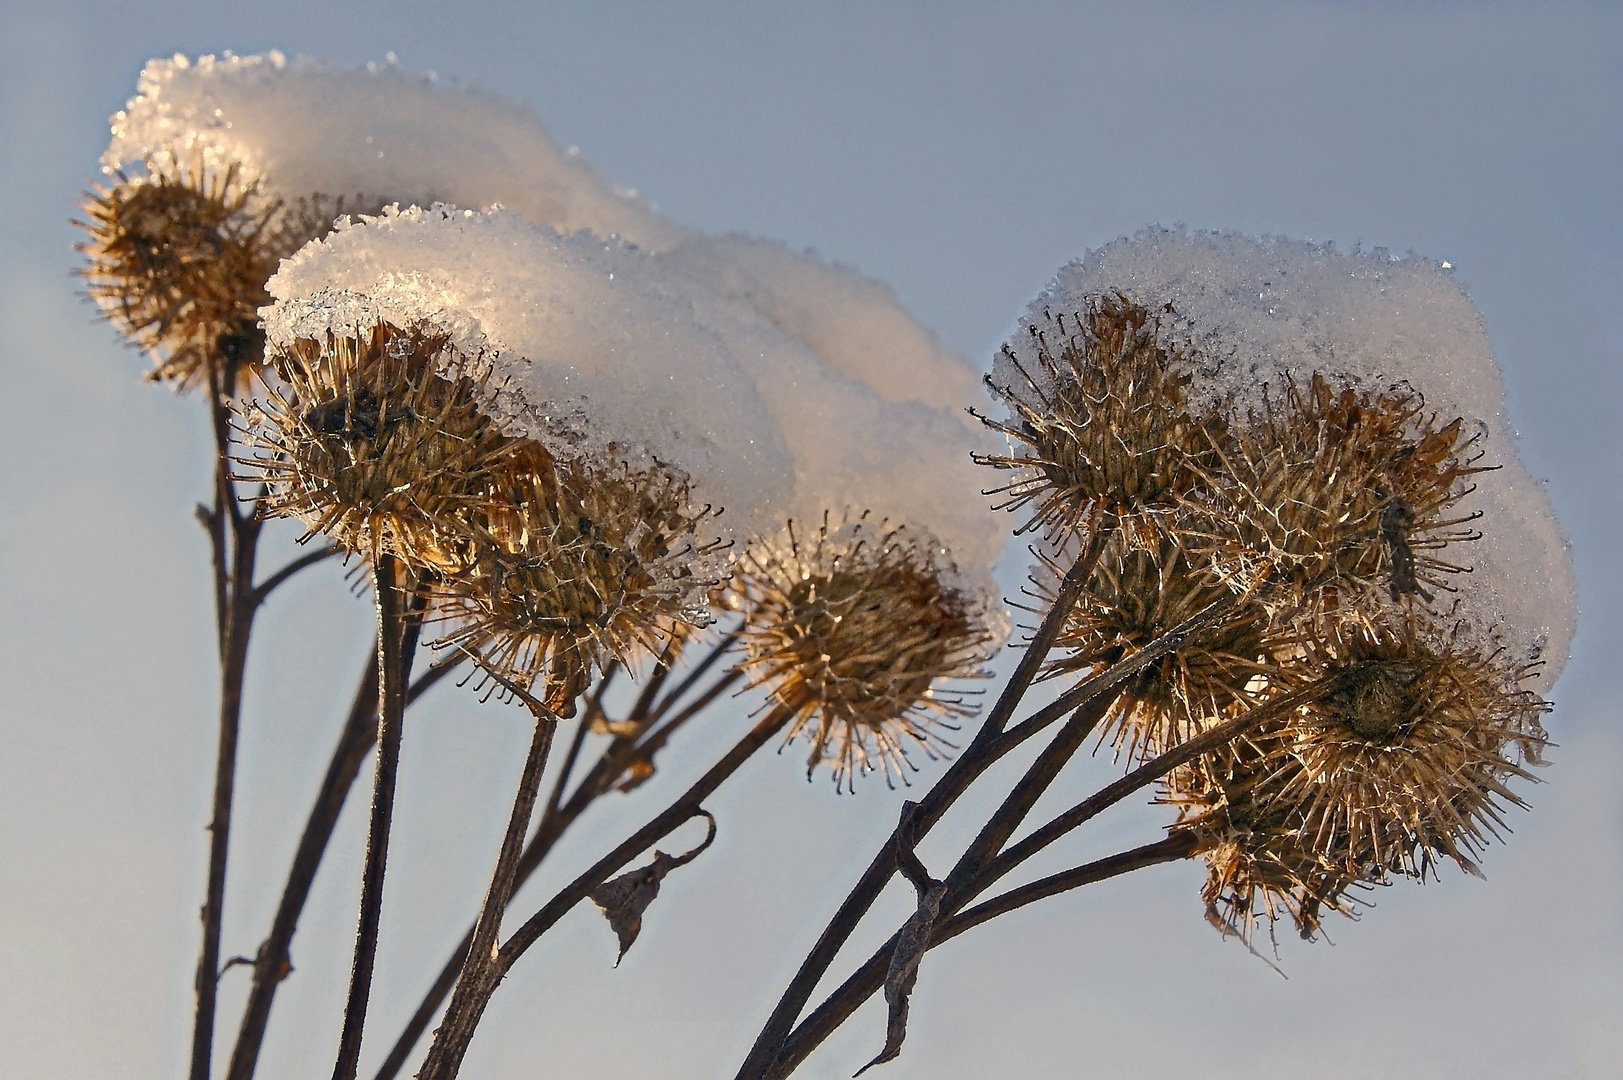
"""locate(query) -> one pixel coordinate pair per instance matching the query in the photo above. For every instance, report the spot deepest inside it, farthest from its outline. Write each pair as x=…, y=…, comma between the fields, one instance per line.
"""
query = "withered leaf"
x=911, y=940
x=903, y=973
x=625, y=898
x=639, y=772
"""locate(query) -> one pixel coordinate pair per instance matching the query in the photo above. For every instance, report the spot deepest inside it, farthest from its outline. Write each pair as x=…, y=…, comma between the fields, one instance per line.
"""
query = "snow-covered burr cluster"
x=1254, y=313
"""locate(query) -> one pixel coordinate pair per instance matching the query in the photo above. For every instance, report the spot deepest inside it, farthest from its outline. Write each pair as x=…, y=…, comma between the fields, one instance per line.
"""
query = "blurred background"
x=961, y=152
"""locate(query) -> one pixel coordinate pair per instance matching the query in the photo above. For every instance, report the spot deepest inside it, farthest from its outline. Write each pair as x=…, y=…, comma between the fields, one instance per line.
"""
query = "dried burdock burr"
x=1402, y=758
x=1408, y=752
x=854, y=626
x=567, y=565
x=365, y=441
x=178, y=262
x=177, y=258
x=1100, y=429
x=1133, y=596
x=1336, y=499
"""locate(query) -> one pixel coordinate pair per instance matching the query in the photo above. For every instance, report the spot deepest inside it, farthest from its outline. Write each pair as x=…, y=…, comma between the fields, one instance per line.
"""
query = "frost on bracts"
x=1315, y=443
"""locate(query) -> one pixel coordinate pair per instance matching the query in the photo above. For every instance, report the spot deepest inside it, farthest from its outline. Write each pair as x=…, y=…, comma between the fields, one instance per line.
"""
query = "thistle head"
x=177, y=259
x=1258, y=870
x=178, y=263
x=1134, y=595
x=852, y=628
x=1401, y=755
x=1102, y=430
x=365, y=440
x=564, y=566
x=1407, y=753
x=1336, y=501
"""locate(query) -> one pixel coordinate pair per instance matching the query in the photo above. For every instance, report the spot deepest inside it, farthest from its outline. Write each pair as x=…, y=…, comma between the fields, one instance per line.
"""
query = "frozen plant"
x=1286, y=565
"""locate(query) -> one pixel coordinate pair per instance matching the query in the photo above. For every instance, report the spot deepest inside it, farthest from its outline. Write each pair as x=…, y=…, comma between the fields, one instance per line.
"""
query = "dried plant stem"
x=456, y=1032
x=234, y=539
x=394, y=669
x=560, y=814
x=273, y=962
x=974, y=875
x=1171, y=849
x=870, y=977
x=476, y=982
x=980, y=755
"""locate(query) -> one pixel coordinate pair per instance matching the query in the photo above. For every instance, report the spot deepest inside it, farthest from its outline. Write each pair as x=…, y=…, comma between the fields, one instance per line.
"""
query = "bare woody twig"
x=684, y=808
x=479, y=963
x=556, y=820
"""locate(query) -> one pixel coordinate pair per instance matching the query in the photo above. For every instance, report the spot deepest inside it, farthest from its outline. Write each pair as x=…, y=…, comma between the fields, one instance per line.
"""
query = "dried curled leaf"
x=911, y=941
x=625, y=898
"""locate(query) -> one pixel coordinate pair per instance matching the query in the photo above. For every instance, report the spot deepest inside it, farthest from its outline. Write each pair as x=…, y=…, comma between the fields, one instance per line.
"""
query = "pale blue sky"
x=961, y=152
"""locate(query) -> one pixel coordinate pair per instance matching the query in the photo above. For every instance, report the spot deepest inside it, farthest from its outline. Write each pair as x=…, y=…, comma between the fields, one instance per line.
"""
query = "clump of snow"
x=853, y=323
x=735, y=359
x=383, y=135
x=1251, y=312
x=903, y=461
x=588, y=342
x=303, y=126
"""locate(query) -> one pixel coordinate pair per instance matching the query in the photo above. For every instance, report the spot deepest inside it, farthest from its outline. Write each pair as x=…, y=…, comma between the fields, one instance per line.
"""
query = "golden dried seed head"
x=853, y=628
x=1103, y=428
x=1408, y=752
x=1339, y=502
x=367, y=443
x=178, y=259
x=1402, y=758
x=566, y=565
x=1134, y=595
x=1258, y=870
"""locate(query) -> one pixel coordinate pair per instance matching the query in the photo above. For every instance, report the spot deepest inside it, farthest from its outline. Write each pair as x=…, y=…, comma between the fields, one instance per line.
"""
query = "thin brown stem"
x=824, y=1020
x=1180, y=845
x=273, y=963
x=475, y=981
x=610, y=765
x=394, y=669
x=1144, y=775
x=309, y=558
x=456, y=1032
x=234, y=540
x=965, y=883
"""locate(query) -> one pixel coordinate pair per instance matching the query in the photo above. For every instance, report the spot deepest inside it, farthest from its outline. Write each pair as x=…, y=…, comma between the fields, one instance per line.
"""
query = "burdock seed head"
x=1133, y=596
x=366, y=442
x=1258, y=869
x=178, y=256
x=1401, y=758
x=1104, y=432
x=1407, y=753
x=852, y=627
x=568, y=565
x=1336, y=501
x=178, y=263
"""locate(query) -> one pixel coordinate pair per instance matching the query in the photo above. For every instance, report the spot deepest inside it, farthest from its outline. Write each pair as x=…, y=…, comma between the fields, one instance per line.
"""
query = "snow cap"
x=304, y=126
x=1251, y=311
x=588, y=343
